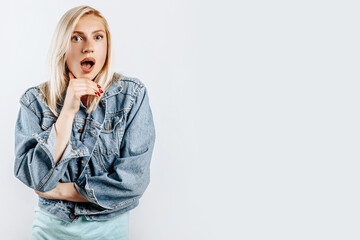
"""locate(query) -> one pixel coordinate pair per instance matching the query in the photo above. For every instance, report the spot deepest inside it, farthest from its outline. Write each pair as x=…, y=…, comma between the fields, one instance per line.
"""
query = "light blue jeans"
x=49, y=227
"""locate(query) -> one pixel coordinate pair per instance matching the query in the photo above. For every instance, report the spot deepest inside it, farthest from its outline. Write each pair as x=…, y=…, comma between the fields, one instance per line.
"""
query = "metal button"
x=72, y=216
x=81, y=130
x=82, y=161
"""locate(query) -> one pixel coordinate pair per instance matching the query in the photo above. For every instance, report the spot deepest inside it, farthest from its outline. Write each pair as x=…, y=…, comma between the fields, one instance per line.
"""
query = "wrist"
x=64, y=191
x=67, y=114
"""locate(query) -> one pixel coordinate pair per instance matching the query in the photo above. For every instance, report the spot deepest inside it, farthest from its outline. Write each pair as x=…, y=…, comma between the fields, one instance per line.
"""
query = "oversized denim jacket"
x=107, y=157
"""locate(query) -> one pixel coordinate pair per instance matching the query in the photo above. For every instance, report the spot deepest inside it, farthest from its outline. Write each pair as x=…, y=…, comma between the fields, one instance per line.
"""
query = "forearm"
x=70, y=193
x=63, y=127
x=63, y=191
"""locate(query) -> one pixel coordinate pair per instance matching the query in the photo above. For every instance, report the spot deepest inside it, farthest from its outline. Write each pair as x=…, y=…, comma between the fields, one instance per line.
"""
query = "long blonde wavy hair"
x=53, y=89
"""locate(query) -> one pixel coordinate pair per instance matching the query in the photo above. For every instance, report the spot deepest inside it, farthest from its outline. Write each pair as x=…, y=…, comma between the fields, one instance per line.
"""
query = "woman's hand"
x=52, y=194
x=77, y=88
x=63, y=191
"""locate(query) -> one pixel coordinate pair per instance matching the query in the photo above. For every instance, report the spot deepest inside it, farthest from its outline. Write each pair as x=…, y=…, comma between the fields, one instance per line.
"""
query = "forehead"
x=89, y=23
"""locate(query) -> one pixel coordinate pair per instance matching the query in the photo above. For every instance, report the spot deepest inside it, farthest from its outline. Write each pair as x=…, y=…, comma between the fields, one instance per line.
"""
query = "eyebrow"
x=92, y=32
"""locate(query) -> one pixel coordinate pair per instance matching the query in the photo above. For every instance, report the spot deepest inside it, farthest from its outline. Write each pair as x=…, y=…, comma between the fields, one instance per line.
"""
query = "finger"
x=96, y=86
x=93, y=85
x=87, y=90
x=81, y=87
x=86, y=81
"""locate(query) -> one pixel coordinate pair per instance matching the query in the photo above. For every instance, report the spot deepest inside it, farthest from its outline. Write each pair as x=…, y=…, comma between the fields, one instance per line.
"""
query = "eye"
x=99, y=36
x=75, y=37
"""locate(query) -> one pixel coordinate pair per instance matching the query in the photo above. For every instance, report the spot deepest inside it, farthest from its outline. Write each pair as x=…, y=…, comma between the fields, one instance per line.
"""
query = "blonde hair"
x=52, y=90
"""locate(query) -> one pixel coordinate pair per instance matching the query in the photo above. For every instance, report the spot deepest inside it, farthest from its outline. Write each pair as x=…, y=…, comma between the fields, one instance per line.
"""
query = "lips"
x=87, y=64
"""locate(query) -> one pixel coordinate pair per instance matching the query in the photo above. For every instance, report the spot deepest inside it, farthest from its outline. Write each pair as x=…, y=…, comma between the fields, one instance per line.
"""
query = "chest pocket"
x=108, y=146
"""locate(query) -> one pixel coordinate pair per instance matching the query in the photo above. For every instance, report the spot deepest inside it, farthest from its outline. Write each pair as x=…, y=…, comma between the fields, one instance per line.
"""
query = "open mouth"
x=87, y=64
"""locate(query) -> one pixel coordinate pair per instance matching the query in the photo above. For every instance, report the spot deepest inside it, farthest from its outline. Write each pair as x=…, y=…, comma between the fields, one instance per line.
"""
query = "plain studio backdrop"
x=256, y=110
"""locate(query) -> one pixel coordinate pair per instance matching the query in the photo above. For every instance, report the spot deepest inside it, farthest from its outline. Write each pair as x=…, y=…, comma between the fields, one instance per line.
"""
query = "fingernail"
x=98, y=86
x=101, y=91
x=97, y=93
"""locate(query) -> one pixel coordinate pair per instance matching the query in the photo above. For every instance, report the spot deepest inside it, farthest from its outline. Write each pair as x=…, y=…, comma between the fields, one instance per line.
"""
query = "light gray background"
x=256, y=109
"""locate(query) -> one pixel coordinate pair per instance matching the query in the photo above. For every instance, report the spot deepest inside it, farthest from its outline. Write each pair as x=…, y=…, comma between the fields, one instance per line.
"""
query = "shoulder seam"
x=27, y=102
x=23, y=96
x=134, y=81
x=120, y=80
x=136, y=94
x=30, y=108
x=131, y=79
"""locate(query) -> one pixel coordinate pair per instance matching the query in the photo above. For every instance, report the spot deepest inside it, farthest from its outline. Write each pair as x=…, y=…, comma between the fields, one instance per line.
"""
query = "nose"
x=87, y=49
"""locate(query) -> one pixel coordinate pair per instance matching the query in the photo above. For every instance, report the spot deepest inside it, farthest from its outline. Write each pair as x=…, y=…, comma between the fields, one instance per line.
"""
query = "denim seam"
x=24, y=101
x=102, y=153
x=24, y=95
x=134, y=80
x=127, y=201
x=97, y=201
x=96, y=142
x=92, y=194
x=91, y=131
x=48, y=133
x=114, y=114
x=30, y=108
x=121, y=204
x=135, y=96
x=100, y=162
x=112, y=94
x=44, y=180
x=117, y=123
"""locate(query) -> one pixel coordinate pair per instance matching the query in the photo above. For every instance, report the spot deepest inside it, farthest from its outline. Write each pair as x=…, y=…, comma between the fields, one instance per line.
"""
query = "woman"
x=84, y=139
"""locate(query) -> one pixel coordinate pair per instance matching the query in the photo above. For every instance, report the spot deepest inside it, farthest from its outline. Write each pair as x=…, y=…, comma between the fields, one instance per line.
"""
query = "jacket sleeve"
x=131, y=174
x=35, y=151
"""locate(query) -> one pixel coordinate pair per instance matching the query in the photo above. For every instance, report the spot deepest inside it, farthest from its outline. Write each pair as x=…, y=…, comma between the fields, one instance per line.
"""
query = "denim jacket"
x=107, y=157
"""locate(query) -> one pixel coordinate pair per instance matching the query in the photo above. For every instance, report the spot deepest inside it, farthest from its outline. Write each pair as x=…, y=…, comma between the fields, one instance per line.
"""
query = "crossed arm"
x=63, y=191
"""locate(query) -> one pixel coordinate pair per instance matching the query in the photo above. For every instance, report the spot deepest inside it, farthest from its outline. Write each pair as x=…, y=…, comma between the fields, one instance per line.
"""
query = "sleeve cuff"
x=88, y=193
x=47, y=140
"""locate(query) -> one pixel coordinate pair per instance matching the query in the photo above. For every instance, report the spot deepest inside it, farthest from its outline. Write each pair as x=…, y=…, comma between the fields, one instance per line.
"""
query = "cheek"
x=71, y=54
x=69, y=62
x=103, y=54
